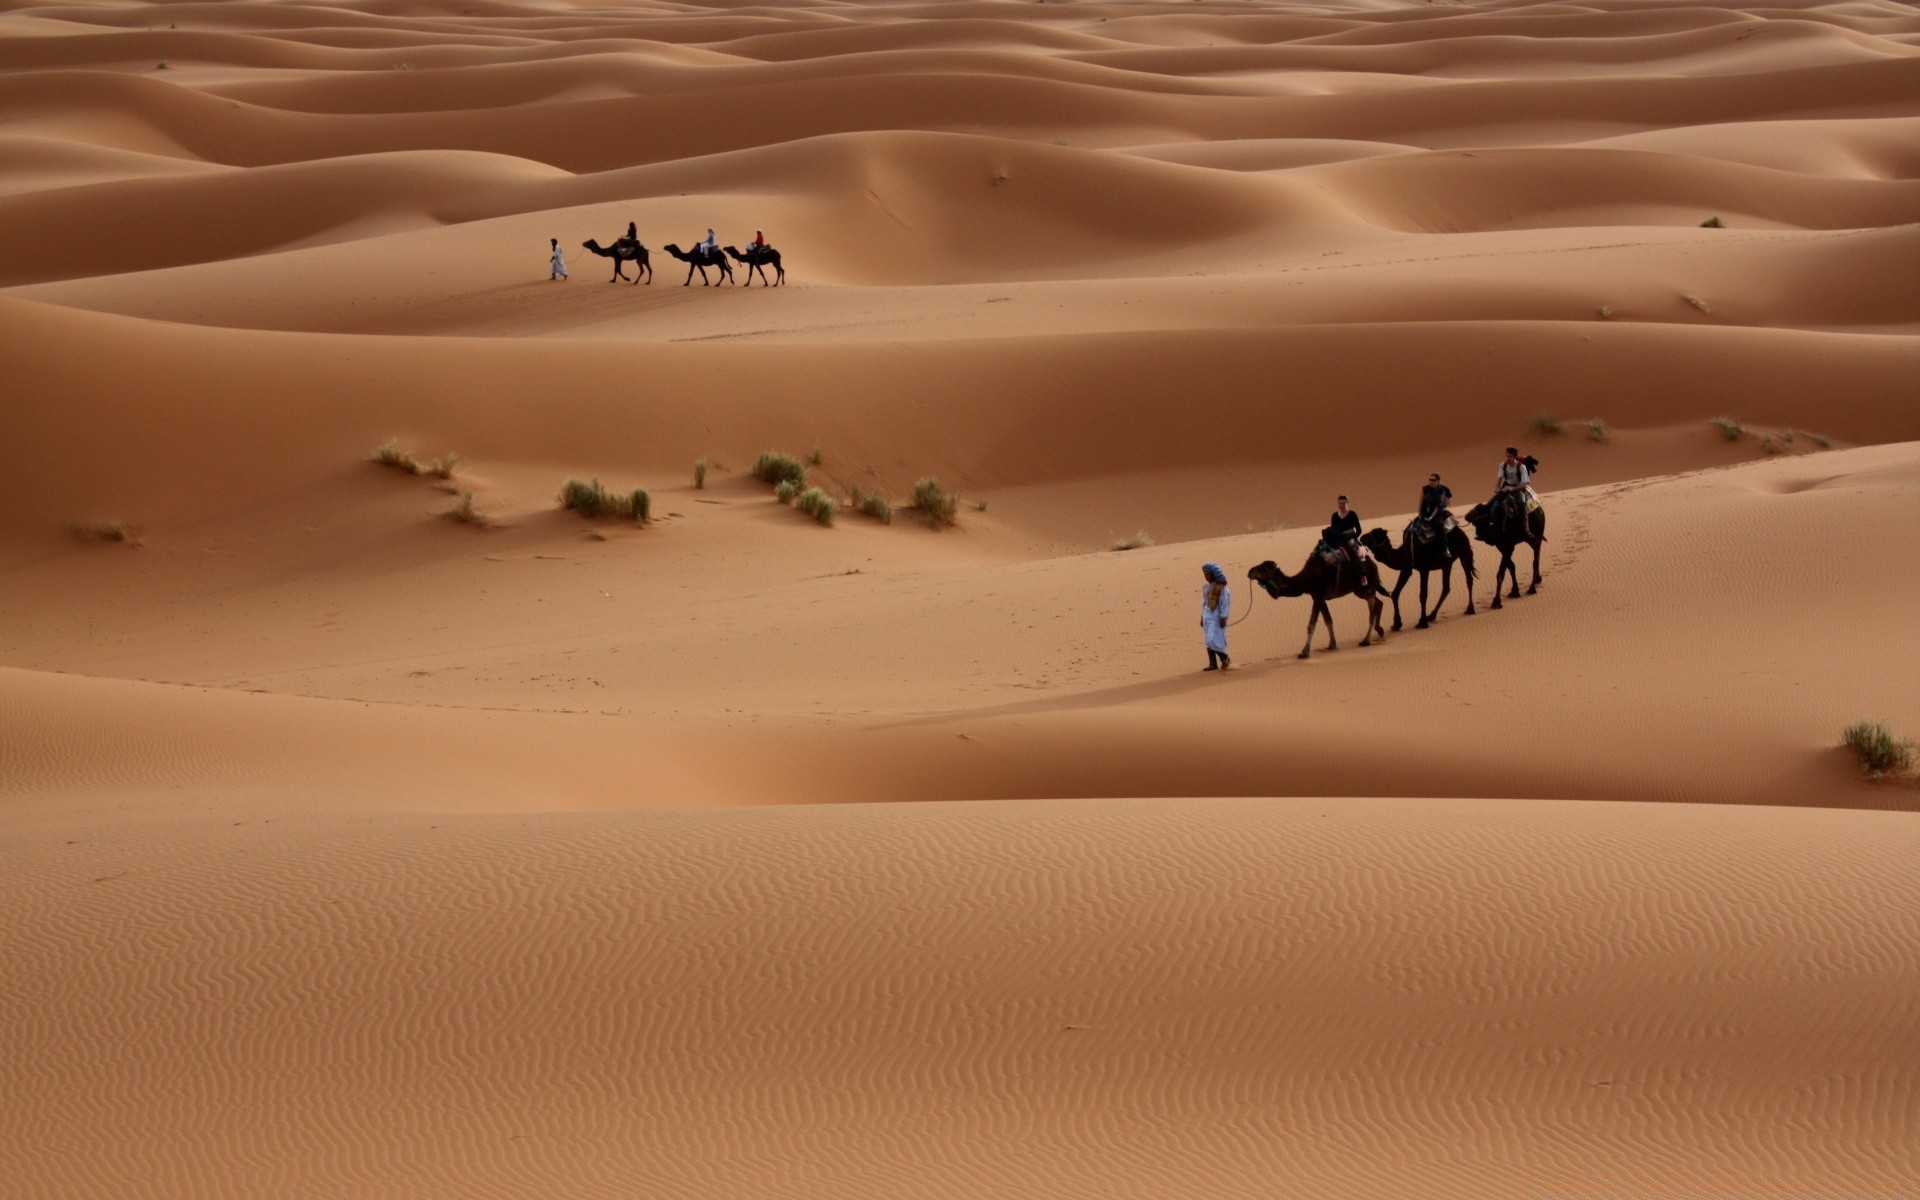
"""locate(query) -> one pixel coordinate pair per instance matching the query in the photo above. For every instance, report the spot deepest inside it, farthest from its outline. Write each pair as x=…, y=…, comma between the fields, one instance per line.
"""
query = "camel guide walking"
x=1216, y=605
x=559, y=262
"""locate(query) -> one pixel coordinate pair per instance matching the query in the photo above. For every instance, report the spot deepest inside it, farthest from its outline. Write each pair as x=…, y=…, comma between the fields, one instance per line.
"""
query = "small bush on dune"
x=777, y=468
x=1697, y=302
x=1769, y=446
x=815, y=457
x=443, y=467
x=699, y=473
x=590, y=498
x=1543, y=423
x=1606, y=312
x=817, y=504
x=464, y=512
x=1729, y=428
x=1880, y=752
x=874, y=505
x=941, y=506
x=979, y=506
x=1821, y=440
x=391, y=455
x=106, y=531
x=1138, y=541
x=785, y=491
x=1713, y=223
x=1596, y=430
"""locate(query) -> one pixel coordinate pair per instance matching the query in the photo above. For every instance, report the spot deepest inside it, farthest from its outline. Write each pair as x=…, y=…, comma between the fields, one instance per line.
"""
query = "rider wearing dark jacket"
x=1435, y=498
x=1343, y=530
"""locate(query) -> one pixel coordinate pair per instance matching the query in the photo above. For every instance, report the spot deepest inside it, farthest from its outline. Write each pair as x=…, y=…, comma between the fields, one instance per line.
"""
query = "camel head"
x=592, y=245
x=1269, y=577
x=1377, y=540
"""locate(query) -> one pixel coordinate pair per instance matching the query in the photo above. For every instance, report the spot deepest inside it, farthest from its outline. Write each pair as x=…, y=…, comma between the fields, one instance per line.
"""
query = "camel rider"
x=1514, y=483
x=710, y=247
x=1435, y=497
x=1343, y=533
x=759, y=243
x=633, y=234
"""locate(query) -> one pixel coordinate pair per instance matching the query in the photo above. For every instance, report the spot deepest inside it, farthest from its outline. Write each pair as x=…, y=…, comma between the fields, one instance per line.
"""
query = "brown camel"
x=623, y=251
x=1323, y=582
x=1425, y=557
x=1505, y=526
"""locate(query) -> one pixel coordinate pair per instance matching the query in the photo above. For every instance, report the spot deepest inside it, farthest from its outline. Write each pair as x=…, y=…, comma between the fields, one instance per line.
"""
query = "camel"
x=1324, y=582
x=1496, y=524
x=699, y=261
x=759, y=260
x=623, y=251
x=1425, y=557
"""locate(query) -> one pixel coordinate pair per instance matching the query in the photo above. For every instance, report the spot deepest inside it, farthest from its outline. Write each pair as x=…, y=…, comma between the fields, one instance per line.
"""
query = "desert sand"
x=353, y=851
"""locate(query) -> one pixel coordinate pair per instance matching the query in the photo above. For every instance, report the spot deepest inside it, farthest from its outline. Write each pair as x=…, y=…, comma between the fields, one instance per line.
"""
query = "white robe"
x=1214, y=620
x=559, y=264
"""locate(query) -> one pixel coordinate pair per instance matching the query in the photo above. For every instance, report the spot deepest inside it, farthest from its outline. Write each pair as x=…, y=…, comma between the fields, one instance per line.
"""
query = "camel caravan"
x=708, y=252
x=1347, y=562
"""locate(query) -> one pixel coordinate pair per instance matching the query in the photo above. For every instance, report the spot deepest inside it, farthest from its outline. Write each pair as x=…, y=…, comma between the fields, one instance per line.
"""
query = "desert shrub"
x=640, y=505
x=817, y=504
x=1138, y=541
x=106, y=531
x=814, y=455
x=443, y=467
x=874, y=505
x=1713, y=223
x=1697, y=302
x=1769, y=446
x=391, y=455
x=1880, y=752
x=464, y=512
x=1729, y=428
x=785, y=491
x=1596, y=430
x=1544, y=423
x=161, y=65
x=777, y=468
x=979, y=506
x=699, y=473
x=940, y=505
x=1822, y=440
x=590, y=498
x=1606, y=312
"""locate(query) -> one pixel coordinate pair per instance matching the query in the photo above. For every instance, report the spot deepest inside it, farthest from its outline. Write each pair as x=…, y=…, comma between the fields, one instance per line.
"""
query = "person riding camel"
x=1435, y=497
x=759, y=243
x=1514, y=484
x=710, y=247
x=1343, y=534
x=633, y=234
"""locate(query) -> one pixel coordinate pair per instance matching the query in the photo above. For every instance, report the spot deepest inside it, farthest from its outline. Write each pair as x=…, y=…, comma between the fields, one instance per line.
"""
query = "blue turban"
x=1213, y=572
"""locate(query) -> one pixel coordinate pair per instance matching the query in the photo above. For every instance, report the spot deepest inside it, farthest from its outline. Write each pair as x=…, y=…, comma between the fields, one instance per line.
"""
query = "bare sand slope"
x=1137, y=998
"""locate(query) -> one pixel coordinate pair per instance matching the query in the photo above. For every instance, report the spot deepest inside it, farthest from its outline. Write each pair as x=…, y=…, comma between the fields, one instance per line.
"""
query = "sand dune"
x=353, y=850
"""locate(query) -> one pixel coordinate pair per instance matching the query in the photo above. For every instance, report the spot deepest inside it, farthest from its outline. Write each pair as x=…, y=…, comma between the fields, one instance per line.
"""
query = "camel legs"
x=1374, y=605
x=1320, y=610
x=1500, y=575
x=1535, y=585
x=1400, y=587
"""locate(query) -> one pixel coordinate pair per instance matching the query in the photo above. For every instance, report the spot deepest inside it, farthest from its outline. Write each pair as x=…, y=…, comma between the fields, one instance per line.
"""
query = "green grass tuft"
x=814, y=455
x=590, y=498
x=777, y=468
x=106, y=531
x=785, y=491
x=1606, y=312
x=442, y=467
x=817, y=504
x=874, y=505
x=1713, y=223
x=941, y=506
x=1729, y=428
x=1880, y=752
x=1597, y=430
x=464, y=512
x=1822, y=440
x=1543, y=423
x=699, y=473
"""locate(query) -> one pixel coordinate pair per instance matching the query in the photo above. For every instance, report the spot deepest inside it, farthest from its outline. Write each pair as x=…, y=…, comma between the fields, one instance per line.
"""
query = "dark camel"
x=699, y=261
x=1425, y=557
x=1501, y=526
x=623, y=251
x=759, y=260
x=1323, y=583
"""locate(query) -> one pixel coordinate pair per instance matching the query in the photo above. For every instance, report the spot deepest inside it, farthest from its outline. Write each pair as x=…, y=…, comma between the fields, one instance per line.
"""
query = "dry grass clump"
x=1697, y=302
x=814, y=456
x=1713, y=223
x=1880, y=752
x=464, y=512
x=1138, y=541
x=1729, y=428
x=106, y=531
x=1769, y=446
x=1822, y=440
x=874, y=505
x=590, y=498
x=1606, y=312
x=699, y=473
x=1596, y=430
x=785, y=491
x=442, y=467
x=391, y=455
x=1543, y=423
x=941, y=506
x=777, y=468
x=817, y=504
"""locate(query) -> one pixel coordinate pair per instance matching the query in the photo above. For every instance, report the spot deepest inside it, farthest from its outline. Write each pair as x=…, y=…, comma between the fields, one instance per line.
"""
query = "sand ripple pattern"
x=1133, y=998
